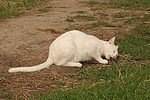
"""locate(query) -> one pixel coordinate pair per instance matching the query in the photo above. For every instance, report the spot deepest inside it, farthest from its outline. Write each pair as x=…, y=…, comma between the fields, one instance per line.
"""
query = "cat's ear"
x=112, y=40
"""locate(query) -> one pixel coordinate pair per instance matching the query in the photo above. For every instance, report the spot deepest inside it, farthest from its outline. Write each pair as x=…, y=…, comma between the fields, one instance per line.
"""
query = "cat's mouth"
x=110, y=57
x=114, y=58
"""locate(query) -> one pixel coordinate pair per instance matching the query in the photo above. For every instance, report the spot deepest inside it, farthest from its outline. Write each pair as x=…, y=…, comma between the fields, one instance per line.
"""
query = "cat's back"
x=74, y=33
x=74, y=37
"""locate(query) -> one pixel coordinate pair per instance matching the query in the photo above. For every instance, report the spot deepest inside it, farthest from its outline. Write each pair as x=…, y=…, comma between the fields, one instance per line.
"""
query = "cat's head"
x=110, y=49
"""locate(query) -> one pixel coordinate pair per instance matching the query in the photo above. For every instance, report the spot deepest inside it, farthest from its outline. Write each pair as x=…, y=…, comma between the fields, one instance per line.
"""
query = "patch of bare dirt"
x=25, y=41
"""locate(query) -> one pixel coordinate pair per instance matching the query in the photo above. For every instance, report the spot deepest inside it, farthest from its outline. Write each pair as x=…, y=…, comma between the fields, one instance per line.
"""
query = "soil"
x=25, y=41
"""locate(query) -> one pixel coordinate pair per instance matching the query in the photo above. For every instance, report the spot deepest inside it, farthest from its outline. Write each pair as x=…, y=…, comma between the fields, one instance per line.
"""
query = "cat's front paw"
x=104, y=61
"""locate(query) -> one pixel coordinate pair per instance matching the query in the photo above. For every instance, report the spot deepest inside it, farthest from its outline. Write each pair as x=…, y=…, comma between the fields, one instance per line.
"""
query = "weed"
x=81, y=12
x=99, y=23
x=101, y=16
x=93, y=2
x=131, y=20
x=94, y=24
x=80, y=17
x=119, y=15
x=130, y=3
x=146, y=17
x=70, y=19
x=121, y=3
x=46, y=9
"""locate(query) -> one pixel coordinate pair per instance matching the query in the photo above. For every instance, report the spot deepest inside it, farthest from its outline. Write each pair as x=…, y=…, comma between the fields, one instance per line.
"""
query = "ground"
x=25, y=41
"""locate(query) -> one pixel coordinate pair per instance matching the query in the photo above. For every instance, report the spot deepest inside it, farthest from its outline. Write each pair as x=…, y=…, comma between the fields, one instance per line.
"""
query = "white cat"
x=73, y=47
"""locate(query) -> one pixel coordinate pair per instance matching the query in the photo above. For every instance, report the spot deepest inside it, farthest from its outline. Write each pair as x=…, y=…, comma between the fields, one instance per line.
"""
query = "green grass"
x=11, y=8
x=128, y=82
x=136, y=42
x=145, y=3
x=137, y=46
x=135, y=19
x=143, y=30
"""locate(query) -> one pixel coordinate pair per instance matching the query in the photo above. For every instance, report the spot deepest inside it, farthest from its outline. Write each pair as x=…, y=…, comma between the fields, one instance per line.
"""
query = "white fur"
x=73, y=47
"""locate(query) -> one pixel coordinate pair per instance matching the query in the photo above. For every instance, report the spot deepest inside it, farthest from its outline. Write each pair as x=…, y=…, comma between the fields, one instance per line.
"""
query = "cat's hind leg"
x=73, y=64
x=67, y=61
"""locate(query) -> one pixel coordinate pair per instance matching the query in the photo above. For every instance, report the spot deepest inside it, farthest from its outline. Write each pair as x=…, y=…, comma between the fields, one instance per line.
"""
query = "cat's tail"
x=46, y=64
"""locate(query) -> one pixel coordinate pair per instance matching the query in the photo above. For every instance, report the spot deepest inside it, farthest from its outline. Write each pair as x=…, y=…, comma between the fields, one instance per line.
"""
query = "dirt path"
x=23, y=36
x=24, y=41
